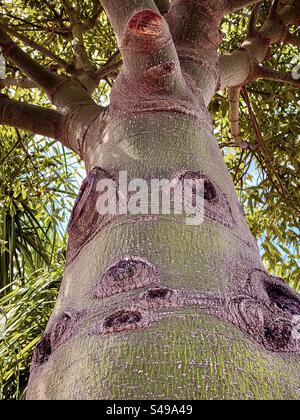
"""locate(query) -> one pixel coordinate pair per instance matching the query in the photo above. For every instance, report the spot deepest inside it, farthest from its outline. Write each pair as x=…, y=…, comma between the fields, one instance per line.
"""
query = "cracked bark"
x=150, y=307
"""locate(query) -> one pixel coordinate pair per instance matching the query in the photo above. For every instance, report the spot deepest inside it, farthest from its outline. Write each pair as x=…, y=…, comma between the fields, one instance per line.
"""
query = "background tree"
x=79, y=60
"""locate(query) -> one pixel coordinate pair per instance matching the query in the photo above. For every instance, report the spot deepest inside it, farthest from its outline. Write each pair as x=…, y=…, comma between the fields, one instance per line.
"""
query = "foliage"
x=267, y=182
x=36, y=193
x=23, y=317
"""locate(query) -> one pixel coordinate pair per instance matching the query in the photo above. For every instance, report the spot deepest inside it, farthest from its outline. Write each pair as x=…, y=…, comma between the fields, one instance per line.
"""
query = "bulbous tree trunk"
x=151, y=307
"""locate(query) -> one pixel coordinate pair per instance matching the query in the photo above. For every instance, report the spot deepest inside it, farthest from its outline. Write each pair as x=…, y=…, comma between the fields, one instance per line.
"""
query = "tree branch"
x=236, y=68
x=243, y=65
x=65, y=93
x=37, y=73
x=259, y=72
x=23, y=83
x=145, y=41
x=291, y=39
x=77, y=29
x=278, y=76
x=37, y=120
x=110, y=68
x=121, y=11
x=234, y=113
x=235, y=5
x=92, y=21
x=62, y=63
x=194, y=26
x=252, y=31
x=283, y=191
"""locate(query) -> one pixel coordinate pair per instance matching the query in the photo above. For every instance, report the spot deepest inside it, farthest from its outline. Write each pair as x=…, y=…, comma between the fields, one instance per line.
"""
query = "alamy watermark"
x=155, y=197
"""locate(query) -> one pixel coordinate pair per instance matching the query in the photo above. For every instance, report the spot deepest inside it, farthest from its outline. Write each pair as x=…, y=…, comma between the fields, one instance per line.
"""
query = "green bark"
x=186, y=356
x=152, y=308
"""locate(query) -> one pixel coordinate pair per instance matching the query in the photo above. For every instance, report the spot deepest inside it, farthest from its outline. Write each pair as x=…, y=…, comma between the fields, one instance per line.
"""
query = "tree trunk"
x=152, y=307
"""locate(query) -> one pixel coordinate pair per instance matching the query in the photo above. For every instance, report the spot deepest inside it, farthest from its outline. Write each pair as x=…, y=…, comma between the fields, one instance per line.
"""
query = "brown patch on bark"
x=42, y=352
x=127, y=274
x=159, y=293
x=263, y=308
x=210, y=192
x=124, y=320
x=160, y=71
x=60, y=329
x=146, y=23
x=122, y=317
x=282, y=297
x=216, y=205
x=146, y=32
x=277, y=335
x=266, y=311
x=85, y=219
x=63, y=329
x=159, y=297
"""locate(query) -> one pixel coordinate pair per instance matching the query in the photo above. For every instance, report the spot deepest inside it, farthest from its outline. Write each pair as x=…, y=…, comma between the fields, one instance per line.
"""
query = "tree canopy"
x=40, y=178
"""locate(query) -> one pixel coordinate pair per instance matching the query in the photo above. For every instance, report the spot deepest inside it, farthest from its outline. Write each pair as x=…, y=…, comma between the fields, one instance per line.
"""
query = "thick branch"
x=236, y=68
x=234, y=5
x=121, y=11
x=92, y=21
x=194, y=26
x=62, y=92
x=145, y=42
x=23, y=83
x=35, y=119
x=77, y=29
x=62, y=63
x=258, y=72
x=248, y=70
x=278, y=76
x=243, y=65
x=44, y=78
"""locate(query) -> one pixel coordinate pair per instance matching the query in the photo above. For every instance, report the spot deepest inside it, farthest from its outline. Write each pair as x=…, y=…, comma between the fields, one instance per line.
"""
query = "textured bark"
x=43, y=121
x=151, y=308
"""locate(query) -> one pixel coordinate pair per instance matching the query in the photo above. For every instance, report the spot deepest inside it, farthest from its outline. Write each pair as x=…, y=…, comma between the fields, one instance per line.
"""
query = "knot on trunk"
x=127, y=274
x=161, y=70
x=197, y=187
x=62, y=329
x=124, y=320
x=160, y=297
x=85, y=219
x=42, y=352
x=269, y=312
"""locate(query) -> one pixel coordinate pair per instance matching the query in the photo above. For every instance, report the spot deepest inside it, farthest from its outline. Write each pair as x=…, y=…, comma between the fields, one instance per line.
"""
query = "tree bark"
x=151, y=307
